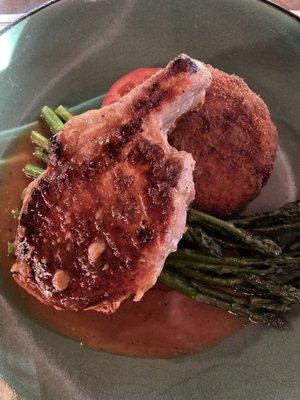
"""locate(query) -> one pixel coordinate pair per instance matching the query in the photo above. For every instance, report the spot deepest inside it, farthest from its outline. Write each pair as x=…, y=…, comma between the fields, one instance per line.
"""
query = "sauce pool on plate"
x=163, y=324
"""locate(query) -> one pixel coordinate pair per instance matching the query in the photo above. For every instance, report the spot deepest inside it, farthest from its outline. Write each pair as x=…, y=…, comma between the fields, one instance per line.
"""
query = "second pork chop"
x=98, y=225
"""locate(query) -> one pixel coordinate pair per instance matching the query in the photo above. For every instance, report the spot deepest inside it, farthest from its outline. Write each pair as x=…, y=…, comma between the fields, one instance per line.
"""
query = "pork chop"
x=98, y=224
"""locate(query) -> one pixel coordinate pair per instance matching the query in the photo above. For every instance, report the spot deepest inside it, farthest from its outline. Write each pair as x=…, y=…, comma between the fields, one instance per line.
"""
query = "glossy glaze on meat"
x=97, y=226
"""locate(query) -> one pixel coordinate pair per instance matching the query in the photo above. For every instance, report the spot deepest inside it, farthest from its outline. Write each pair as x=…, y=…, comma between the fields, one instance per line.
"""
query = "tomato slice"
x=126, y=83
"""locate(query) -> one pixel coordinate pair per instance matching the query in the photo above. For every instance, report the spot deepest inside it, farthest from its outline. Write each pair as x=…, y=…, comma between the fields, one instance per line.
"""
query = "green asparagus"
x=15, y=213
x=204, y=242
x=204, y=295
x=265, y=246
x=32, y=171
x=63, y=113
x=192, y=255
x=52, y=120
x=207, y=278
x=288, y=213
x=287, y=292
x=274, y=228
x=39, y=140
x=11, y=249
x=41, y=155
x=23, y=194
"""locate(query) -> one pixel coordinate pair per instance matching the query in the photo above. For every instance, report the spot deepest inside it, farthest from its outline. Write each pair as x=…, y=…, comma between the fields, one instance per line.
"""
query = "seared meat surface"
x=233, y=142
x=97, y=226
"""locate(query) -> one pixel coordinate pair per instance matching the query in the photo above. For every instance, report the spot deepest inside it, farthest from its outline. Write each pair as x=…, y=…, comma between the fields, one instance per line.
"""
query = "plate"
x=70, y=52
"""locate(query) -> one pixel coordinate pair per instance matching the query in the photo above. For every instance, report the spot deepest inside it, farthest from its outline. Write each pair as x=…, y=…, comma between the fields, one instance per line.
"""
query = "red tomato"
x=127, y=82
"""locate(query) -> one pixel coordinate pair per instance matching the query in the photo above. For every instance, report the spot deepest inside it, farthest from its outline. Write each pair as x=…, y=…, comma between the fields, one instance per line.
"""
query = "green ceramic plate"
x=69, y=52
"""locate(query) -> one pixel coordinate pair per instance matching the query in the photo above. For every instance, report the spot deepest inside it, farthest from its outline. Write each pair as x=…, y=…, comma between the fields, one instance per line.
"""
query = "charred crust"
x=23, y=219
x=183, y=64
x=123, y=135
x=151, y=100
x=113, y=148
x=144, y=152
x=55, y=149
x=145, y=235
x=23, y=248
x=89, y=169
x=91, y=164
x=168, y=173
x=162, y=170
x=43, y=185
x=127, y=131
x=162, y=174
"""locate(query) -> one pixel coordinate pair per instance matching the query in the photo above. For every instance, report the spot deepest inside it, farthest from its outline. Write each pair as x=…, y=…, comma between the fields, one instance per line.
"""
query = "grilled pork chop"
x=98, y=224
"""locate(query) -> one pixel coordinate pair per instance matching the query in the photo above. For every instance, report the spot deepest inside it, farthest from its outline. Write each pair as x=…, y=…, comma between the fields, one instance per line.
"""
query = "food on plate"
x=232, y=139
x=97, y=225
x=81, y=244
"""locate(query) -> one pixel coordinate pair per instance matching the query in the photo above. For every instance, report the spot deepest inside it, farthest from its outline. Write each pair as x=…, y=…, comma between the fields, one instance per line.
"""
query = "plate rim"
x=51, y=2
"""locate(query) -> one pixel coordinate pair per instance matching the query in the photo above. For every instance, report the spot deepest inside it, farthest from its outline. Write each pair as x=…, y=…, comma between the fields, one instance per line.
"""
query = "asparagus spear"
x=215, y=268
x=289, y=212
x=257, y=303
x=209, y=296
x=23, y=194
x=63, y=113
x=32, y=171
x=236, y=270
x=265, y=246
x=11, y=249
x=227, y=243
x=15, y=213
x=241, y=276
x=39, y=140
x=54, y=123
x=209, y=279
x=275, y=228
x=187, y=237
x=204, y=242
x=191, y=255
x=272, y=305
x=41, y=155
x=254, y=307
x=287, y=292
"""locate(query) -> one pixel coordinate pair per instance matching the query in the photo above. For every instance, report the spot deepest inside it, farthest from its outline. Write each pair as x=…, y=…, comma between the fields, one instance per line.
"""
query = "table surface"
x=13, y=9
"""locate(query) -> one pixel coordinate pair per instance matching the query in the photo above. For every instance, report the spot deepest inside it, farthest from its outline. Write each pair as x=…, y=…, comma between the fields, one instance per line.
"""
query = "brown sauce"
x=163, y=324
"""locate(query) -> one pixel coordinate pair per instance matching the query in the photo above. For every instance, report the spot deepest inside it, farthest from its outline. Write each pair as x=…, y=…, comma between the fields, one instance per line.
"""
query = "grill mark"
x=162, y=174
x=123, y=135
x=24, y=248
x=151, y=99
x=145, y=235
x=55, y=149
x=144, y=152
x=183, y=64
